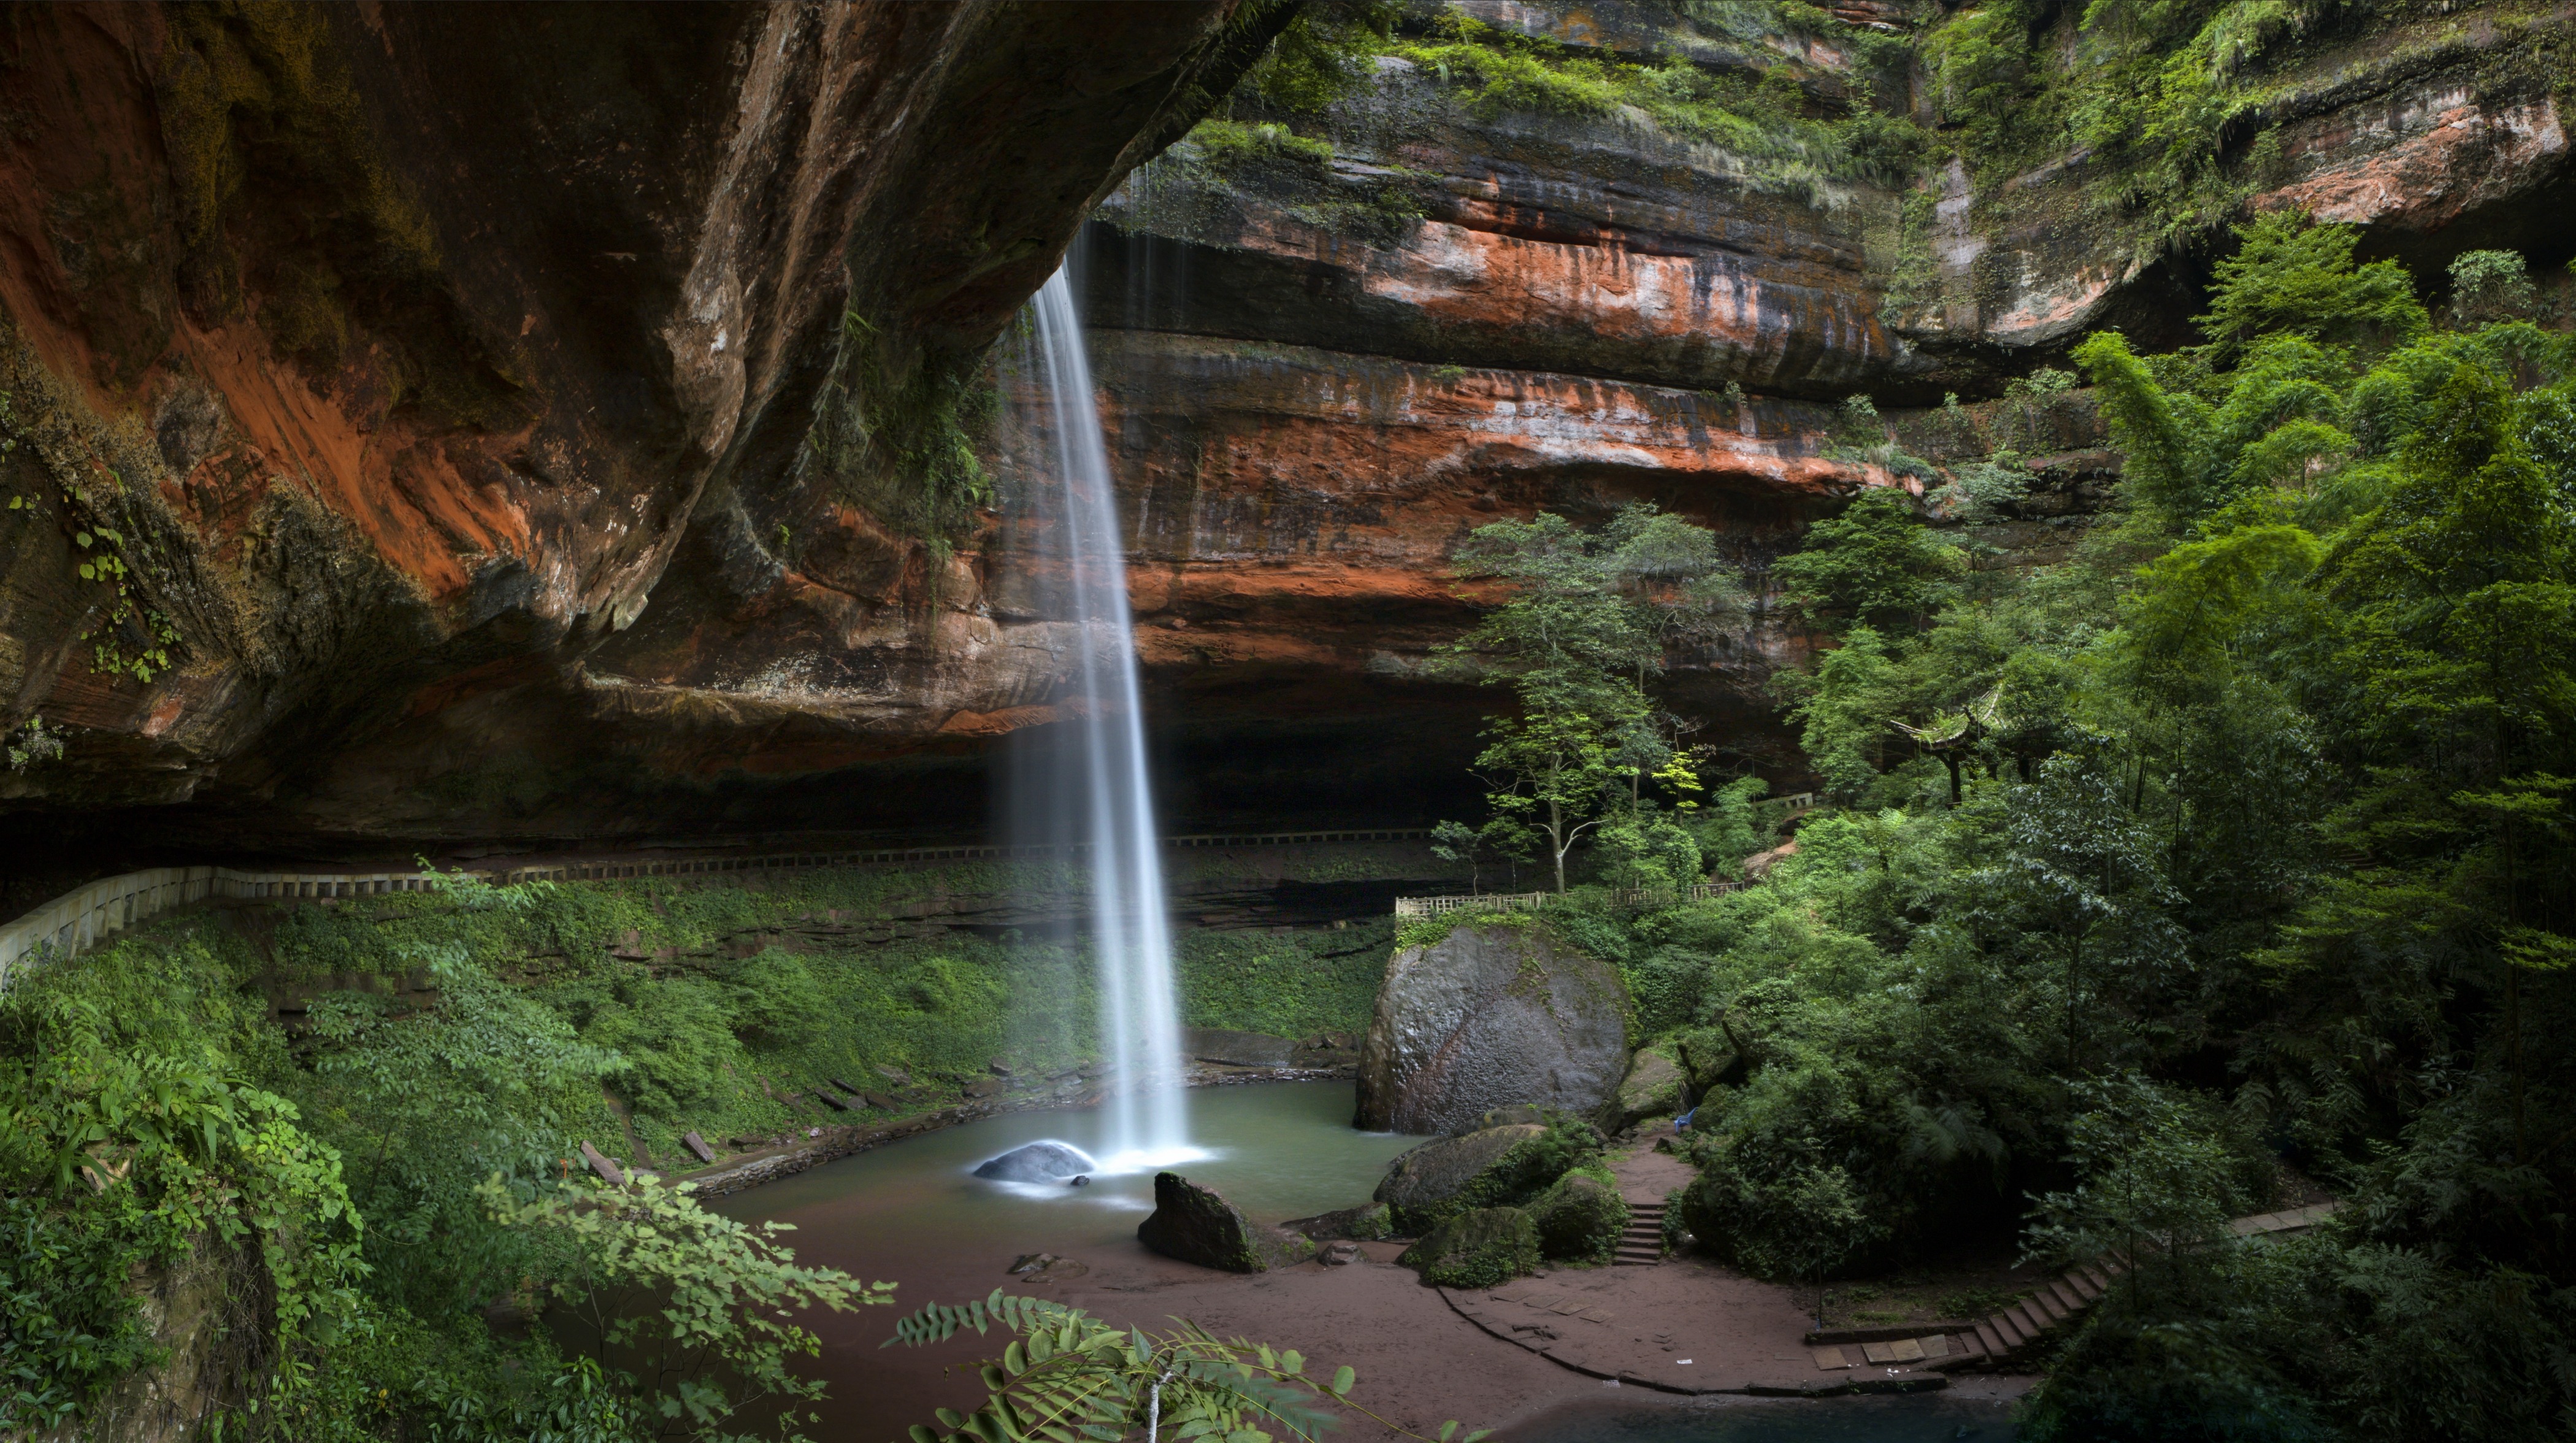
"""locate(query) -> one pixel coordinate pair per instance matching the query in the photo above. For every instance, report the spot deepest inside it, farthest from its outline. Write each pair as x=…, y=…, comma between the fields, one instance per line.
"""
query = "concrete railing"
x=1533, y=901
x=578, y=869
x=73, y=923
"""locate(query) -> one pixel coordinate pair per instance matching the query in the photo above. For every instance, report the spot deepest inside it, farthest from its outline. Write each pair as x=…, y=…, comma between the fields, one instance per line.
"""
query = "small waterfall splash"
x=1096, y=791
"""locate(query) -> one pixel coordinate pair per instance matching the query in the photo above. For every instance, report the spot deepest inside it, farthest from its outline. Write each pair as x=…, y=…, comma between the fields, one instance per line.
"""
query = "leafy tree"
x=1873, y=565
x=1581, y=631
x=2081, y=871
x=425, y=1105
x=701, y=1303
x=1559, y=768
x=2289, y=276
x=2491, y=286
x=2155, y=1186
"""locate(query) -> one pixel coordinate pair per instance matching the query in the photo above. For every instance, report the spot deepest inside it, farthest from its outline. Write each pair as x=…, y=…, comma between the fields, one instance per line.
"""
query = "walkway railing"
x=71, y=924
x=79, y=920
x=1533, y=901
x=590, y=869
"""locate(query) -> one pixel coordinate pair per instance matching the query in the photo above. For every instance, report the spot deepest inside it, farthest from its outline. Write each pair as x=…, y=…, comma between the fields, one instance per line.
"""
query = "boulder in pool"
x=1196, y=1225
x=1038, y=1162
x=1491, y=1015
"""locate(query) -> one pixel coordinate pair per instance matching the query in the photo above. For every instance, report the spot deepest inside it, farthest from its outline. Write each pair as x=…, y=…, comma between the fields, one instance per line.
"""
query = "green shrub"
x=1530, y=1167
x=1579, y=1218
x=1478, y=1249
x=69, y=1323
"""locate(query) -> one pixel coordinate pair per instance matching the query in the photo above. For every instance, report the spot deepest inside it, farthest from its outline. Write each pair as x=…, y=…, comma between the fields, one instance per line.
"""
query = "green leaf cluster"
x=1067, y=1377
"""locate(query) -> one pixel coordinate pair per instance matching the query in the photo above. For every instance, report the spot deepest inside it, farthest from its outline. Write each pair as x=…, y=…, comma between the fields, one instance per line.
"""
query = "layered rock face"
x=367, y=367
x=503, y=426
x=1327, y=356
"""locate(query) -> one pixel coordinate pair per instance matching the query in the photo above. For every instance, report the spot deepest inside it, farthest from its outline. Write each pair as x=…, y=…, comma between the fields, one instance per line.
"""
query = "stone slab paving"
x=2000, y=1340
x=1682, y=1327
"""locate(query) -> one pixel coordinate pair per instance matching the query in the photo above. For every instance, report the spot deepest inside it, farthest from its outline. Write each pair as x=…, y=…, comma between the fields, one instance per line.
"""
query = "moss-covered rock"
x=1707, y=1057
x=1655, y=1086
x=1491, y=1167
x=1579, y=1218
x=1477, y=1249
x=1368, y=1221
x=1432, y=1181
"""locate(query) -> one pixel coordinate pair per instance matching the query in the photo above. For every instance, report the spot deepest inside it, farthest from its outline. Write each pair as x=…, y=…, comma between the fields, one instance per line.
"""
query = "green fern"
x=1070, y=1378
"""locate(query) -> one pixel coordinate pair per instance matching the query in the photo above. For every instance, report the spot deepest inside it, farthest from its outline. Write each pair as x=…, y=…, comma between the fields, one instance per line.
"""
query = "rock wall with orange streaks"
x=453, y=401
x=399, y=354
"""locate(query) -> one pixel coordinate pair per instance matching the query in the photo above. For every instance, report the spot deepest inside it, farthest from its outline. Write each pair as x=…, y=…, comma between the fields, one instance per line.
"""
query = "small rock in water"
x=1078, y=1180
x=1037, y=1162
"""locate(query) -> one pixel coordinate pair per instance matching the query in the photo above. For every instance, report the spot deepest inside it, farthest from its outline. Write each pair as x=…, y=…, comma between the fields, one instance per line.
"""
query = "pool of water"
x=913, y=1213
x=1277, y=1151
x=1936, y=1418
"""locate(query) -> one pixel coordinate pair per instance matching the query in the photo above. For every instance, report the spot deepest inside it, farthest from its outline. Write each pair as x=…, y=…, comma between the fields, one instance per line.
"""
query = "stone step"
x=1991, y=1340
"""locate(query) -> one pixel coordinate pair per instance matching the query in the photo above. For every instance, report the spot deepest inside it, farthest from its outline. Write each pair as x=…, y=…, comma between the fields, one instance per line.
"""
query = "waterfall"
x=1090, y=788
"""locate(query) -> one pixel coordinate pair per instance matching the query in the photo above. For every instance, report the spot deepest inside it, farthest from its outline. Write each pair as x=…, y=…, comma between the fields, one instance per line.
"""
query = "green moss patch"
x=1477, y=1249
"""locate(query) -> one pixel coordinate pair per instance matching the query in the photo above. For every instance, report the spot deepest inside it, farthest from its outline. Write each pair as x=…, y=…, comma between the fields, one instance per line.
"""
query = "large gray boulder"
x=1491, y=1016
x=1196, y=1225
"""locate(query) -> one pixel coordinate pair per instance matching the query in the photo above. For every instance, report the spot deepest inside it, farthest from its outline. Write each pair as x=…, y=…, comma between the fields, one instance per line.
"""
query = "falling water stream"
x=1110, y=803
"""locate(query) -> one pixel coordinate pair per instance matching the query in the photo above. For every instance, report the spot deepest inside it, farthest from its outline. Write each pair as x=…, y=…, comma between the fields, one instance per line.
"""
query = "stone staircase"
x=1642, y=1244
x=2009, y=1338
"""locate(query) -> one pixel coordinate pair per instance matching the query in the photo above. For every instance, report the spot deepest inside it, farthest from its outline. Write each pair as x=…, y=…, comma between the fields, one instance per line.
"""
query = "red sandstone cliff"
x=513, y=418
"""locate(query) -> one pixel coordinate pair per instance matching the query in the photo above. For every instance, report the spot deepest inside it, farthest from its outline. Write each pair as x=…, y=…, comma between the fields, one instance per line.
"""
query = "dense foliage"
x=399, y=1167
x=2235, y=848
